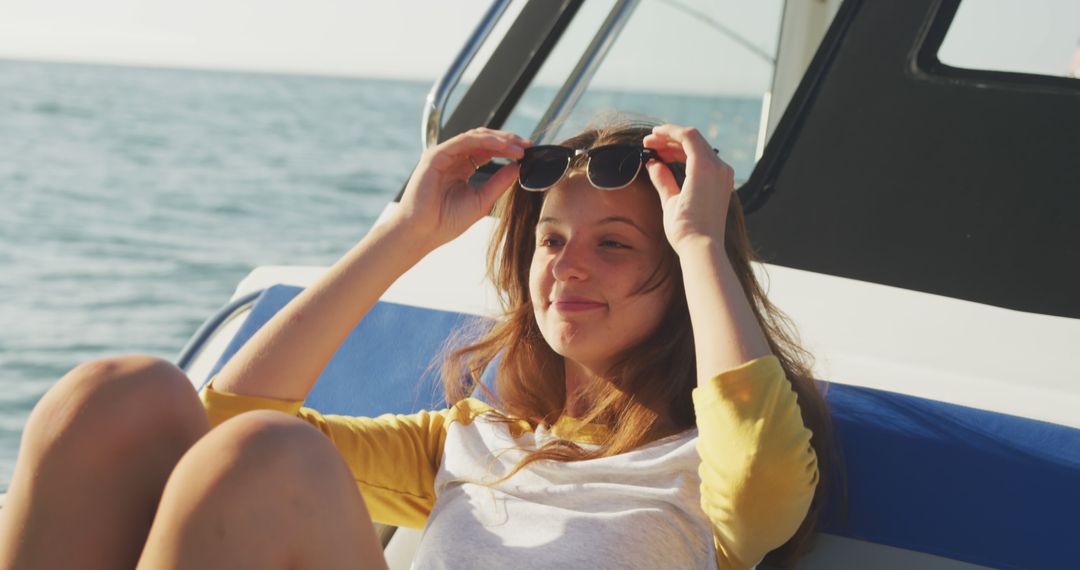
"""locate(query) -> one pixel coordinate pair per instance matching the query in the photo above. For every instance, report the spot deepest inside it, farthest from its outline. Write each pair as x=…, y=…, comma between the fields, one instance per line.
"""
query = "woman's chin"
x=577, y=352
x=579, y=344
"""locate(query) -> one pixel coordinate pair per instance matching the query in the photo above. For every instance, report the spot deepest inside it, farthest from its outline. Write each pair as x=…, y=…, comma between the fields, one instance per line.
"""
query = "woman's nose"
x=571, y=263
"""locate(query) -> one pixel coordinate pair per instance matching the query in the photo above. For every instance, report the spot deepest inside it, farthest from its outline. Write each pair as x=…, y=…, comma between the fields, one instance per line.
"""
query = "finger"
x=500, y=143
x=662, y=179
x=481, y=157
x=485, y=132
x=495, y=186
x=692, y=141
x=669, y=150
x=462, y=164
x=471, y=161
x=670, y=155
x=660, y=141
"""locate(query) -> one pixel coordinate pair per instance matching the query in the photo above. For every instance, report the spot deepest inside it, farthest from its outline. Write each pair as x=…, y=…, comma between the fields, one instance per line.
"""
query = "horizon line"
x=317, y=74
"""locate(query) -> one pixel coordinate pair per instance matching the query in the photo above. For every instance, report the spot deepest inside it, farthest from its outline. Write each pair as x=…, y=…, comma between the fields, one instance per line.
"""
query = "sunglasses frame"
x=644, y=156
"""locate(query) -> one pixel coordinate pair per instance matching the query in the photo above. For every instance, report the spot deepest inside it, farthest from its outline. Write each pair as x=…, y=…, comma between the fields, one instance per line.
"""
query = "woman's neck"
x=578, y=378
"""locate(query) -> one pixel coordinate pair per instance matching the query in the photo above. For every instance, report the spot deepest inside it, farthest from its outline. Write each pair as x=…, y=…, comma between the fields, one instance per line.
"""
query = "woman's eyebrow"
x=607, y=220
x=624, y=220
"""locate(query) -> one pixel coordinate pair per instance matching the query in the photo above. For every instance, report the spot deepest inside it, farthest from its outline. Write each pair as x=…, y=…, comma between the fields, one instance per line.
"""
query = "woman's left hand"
x=697, y=211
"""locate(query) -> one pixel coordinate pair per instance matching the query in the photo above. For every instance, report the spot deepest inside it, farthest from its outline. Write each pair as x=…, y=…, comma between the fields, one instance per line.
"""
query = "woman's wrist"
x=697, y=245
x=405, y=233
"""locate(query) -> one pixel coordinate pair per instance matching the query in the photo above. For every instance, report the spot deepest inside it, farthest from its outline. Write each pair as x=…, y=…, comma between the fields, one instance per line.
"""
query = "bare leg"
x=263, y=490
x=95, y=456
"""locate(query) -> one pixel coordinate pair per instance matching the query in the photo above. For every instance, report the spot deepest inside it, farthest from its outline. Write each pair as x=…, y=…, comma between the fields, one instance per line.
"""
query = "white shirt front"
x=640, y=509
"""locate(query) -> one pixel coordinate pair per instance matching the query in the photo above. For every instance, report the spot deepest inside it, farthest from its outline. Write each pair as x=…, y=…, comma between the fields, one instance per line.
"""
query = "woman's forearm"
x=726, y=333
x=285, y=357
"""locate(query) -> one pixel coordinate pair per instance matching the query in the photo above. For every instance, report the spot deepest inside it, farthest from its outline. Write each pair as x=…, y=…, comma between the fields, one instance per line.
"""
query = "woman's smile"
x=576, y=304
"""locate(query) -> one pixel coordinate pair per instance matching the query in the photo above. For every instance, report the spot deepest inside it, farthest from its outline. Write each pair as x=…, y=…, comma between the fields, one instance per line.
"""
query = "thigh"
x=263, y=490
x=94, y=458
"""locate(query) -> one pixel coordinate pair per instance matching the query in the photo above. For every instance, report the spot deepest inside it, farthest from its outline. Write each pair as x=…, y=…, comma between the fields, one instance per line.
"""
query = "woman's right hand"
x=439, y=204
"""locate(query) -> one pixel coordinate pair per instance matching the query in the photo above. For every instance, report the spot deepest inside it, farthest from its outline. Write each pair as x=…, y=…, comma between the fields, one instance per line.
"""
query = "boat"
x=917, y=221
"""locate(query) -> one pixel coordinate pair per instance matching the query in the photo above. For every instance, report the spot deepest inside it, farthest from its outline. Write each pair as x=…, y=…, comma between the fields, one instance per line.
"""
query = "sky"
x=406, y=38
x=411, y=39
x=418, y=39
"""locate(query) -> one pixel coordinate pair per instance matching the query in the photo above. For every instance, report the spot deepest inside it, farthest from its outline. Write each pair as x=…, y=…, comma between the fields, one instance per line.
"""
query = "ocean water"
x=133, y=200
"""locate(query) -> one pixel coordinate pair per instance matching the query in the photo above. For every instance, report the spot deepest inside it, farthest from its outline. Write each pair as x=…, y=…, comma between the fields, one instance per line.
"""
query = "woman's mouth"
x=575, y=304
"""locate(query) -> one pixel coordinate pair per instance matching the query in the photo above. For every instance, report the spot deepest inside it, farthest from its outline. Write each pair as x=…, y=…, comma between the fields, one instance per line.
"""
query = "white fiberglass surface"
x=933, y=346
x=451, y=278
x=860, y=333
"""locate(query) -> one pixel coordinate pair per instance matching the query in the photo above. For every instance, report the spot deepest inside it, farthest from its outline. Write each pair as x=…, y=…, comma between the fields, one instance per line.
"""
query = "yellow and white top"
x=723, y=494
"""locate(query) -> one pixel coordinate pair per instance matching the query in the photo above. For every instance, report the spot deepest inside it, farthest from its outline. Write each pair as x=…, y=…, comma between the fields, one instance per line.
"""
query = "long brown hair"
x=530, y=382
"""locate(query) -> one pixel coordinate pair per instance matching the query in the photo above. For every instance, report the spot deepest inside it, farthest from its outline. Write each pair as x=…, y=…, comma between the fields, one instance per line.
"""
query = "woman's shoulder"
x=469, y=410
x=466, y=410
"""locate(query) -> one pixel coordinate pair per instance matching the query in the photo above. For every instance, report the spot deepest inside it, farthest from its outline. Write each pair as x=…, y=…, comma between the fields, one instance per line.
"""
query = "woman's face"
x=596, y=251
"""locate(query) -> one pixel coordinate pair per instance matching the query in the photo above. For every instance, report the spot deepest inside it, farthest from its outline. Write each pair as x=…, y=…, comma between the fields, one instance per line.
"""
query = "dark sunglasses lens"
x=542, y=167
x=614, y=166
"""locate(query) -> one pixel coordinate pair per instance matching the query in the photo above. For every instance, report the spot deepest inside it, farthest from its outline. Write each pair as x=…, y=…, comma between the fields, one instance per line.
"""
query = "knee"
x=273, y=448
x=117, y=404
x=262, y=478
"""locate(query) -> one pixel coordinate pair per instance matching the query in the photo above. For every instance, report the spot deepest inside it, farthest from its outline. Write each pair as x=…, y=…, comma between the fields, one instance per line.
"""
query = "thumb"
x=495, y=186
x=662, y=179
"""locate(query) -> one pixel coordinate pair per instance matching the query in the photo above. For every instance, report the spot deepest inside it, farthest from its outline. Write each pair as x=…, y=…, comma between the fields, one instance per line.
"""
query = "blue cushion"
x=959, y=482
x=388, y=364
x=923, y=475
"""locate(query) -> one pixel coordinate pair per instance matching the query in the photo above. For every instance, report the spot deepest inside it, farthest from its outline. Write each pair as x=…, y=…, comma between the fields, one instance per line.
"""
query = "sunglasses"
x=608, y=167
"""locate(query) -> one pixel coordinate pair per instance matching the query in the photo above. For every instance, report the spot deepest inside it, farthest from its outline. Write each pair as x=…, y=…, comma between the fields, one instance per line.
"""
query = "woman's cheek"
x=537, y=292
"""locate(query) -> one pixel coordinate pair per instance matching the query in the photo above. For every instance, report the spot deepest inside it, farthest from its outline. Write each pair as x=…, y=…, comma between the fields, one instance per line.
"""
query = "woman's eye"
x=549, y=241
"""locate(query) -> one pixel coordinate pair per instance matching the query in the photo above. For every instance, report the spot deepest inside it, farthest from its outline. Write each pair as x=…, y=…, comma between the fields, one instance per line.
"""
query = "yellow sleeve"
x=758, y=470
x=394, y=458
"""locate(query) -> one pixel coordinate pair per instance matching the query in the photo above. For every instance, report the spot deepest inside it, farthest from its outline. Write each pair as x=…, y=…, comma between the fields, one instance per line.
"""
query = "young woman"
x=651, y=408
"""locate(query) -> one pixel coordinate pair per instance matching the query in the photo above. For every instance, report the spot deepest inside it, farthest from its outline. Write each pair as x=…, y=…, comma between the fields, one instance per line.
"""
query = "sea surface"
x=133, y=200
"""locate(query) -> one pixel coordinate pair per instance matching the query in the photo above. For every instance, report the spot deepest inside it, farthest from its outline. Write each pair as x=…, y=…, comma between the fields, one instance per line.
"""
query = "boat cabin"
x=917, y=219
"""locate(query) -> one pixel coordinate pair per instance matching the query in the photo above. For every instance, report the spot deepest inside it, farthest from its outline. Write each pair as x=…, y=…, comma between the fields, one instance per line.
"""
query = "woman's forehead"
x=575, y=200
